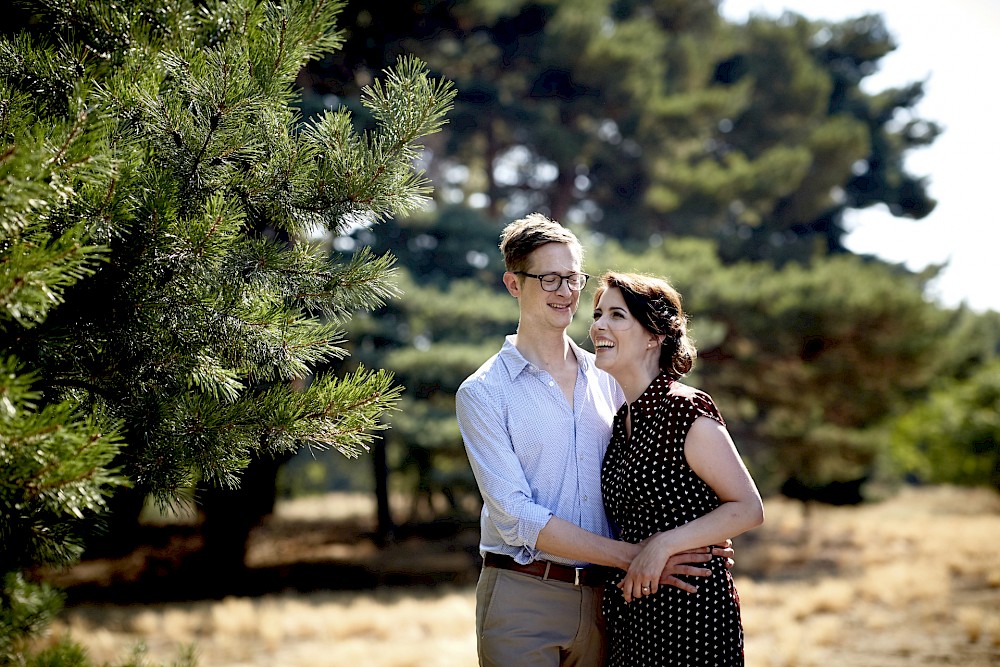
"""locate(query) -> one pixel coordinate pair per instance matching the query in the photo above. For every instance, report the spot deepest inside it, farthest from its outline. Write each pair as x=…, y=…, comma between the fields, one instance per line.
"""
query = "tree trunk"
x=230, y=516
x=491, y=156
x=562, y=194
x=116, y=533
x=386, y=530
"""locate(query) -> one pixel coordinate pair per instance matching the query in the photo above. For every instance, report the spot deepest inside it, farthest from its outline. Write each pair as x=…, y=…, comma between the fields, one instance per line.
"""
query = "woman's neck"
x=636, y=379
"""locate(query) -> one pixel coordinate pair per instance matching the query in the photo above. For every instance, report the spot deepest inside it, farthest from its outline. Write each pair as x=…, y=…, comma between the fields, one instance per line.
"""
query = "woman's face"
x=620, y=342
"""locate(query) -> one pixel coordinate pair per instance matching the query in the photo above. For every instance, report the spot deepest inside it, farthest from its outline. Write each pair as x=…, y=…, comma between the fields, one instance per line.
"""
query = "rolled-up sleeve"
x=534, y=453
x=507, y=495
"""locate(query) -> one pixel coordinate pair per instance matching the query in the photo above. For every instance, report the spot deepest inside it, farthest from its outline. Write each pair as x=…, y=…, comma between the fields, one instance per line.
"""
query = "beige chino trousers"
x=524, y=621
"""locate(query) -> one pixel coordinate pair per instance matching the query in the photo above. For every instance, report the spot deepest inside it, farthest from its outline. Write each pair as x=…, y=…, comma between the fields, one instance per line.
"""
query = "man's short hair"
x=522, y=237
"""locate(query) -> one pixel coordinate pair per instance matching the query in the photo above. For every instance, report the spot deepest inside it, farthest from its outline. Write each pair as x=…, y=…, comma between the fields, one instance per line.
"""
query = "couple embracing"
x=605, y=480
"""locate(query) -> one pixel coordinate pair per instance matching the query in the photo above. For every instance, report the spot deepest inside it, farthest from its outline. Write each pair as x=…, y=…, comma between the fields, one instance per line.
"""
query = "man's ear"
x=511, y=283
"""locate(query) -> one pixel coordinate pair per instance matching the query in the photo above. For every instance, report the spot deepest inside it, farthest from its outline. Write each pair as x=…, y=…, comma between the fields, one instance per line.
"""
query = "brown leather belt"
x=543, y=569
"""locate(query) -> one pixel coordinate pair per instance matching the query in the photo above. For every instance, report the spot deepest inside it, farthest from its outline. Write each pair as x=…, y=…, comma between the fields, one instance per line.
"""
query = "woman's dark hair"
x=656, y=305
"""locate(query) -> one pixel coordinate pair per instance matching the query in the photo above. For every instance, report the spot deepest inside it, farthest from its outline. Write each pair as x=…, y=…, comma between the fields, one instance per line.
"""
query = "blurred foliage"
x=432, y=339
x=641, y=118
x=28, y=608
x=673, y=142
x=954, y=435
x=811, y=364
x=806, y=362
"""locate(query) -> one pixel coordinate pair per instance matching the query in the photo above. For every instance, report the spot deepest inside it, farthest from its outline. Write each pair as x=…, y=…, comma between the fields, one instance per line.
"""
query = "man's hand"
x=725, y=550
x=685, y=563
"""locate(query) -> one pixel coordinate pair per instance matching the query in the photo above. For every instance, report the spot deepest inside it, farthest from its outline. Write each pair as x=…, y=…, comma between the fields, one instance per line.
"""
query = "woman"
x=671, y=478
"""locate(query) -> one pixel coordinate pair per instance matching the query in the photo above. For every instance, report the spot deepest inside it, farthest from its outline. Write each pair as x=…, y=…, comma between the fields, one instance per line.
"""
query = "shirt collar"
x=658, y=389
x=515, y=363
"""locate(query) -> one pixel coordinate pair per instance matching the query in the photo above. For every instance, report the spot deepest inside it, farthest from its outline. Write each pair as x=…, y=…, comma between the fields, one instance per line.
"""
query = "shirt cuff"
x=531, y=524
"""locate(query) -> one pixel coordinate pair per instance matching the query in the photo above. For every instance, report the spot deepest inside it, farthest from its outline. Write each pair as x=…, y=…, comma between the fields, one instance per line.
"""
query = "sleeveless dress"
x=648, y=487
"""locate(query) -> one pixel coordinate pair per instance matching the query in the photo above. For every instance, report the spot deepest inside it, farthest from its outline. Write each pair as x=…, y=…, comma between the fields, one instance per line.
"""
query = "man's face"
x=548, y=309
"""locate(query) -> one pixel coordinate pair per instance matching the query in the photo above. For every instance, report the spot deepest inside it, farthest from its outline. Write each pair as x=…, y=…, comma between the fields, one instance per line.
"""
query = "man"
x=536, y=420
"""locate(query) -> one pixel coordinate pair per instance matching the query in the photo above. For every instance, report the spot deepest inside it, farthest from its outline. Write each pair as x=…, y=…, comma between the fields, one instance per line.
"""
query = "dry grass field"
x=913, y=580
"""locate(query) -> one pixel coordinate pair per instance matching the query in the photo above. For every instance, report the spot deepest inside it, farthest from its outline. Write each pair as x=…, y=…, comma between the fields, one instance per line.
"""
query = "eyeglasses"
x=551, y=282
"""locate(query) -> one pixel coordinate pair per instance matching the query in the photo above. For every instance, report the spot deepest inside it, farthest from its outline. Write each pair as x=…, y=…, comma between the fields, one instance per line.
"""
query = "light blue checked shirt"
x=532, y=455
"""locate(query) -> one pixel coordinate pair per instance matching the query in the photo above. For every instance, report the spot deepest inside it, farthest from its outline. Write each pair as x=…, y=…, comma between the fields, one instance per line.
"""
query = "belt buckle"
x=576, y=575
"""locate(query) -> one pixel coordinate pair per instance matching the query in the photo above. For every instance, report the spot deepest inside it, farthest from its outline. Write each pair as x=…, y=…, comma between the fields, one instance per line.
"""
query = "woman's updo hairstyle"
x=656, y=305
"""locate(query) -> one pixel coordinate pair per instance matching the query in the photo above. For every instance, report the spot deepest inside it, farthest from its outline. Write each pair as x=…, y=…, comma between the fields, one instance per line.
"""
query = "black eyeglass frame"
x=562, y=279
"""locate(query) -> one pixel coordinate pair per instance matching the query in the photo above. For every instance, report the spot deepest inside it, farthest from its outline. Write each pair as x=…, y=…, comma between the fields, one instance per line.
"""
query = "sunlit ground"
x=914, y=580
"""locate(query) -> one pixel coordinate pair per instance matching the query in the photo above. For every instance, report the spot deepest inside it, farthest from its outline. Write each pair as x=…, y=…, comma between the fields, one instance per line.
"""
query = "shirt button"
x=551, y=383
x=585, y=499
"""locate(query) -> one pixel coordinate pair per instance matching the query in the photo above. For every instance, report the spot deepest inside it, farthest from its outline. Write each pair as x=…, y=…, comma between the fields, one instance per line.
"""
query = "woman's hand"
x=689, y=563
x=643, y=576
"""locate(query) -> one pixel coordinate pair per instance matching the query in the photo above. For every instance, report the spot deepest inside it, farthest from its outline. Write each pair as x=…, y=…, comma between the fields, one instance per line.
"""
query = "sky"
x=955, y=46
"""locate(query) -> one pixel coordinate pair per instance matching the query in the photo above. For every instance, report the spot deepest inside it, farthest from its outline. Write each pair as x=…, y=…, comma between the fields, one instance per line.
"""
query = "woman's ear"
x=511, y=283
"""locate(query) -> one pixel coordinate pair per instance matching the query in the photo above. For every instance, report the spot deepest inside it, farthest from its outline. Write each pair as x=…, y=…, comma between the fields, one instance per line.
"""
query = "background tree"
x=643, y=118
x=650, y=122
x=951, y=434
x=809, y=365
x=167, y=316
x=448, y=322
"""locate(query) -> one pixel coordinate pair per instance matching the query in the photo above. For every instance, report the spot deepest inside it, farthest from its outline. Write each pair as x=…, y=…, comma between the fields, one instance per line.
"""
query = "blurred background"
x=734, y=154
x=743, y=152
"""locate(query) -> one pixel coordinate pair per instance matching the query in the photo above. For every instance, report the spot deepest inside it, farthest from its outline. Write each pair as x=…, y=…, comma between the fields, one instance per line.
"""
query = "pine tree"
x=167, y=303
x=645, y=118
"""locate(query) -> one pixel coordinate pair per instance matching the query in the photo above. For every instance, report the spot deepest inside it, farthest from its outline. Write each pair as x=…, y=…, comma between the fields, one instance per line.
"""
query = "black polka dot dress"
x=648, y=487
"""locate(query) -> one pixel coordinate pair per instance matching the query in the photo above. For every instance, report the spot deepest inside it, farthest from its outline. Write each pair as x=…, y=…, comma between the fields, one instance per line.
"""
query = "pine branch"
x=53, y=468
x=371, y=175
x=37, y=273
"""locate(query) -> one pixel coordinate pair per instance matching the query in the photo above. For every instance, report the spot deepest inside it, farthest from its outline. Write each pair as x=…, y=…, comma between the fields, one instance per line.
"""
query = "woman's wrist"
x=663, y=544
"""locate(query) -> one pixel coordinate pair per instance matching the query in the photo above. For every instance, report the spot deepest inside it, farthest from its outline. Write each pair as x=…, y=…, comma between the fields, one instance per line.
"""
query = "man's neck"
x=547, y=350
